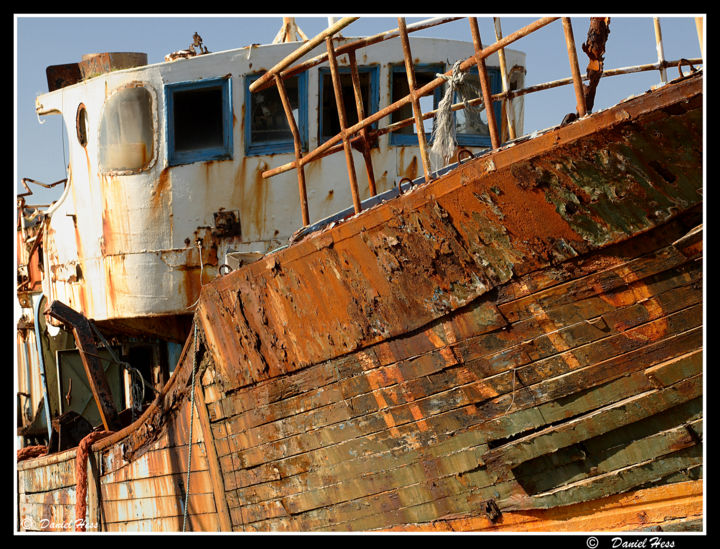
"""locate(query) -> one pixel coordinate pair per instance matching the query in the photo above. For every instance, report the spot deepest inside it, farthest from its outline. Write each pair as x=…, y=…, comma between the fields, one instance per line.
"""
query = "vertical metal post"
x=343, y=124
x=660, y=52
x=507, y=104
x=360, y=116
x=298, y=148
x=484, y=83
x=574, y=67
x=699, y=27
x=41, y=361
x=417, y=113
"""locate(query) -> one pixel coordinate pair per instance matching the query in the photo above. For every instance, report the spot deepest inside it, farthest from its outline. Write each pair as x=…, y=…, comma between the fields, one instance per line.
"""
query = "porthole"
x=81, y=125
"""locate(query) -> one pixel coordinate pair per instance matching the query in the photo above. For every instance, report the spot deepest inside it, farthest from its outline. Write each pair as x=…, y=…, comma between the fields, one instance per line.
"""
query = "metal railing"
x=360, y=134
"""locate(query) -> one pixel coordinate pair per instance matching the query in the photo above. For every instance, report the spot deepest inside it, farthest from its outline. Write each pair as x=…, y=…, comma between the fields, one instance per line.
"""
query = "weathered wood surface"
x=670, y=508
x=517, y=337
x=145, y=494
x=407, y=262
x=148, y=492
x=46, y=493
x=553, y=391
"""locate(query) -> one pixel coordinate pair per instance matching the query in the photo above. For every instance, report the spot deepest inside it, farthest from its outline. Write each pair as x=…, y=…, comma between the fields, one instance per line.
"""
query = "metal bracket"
x=89, y=354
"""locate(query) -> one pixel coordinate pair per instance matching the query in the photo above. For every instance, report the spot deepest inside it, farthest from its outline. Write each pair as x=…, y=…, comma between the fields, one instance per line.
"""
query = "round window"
x=81, y=125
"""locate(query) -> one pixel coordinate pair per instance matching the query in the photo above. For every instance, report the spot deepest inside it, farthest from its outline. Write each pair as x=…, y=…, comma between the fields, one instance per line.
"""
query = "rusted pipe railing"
x=302, y=50
x=574, y=66
x=484, y=83
x=660, y=51
x=297, y=144
x=699, y=28
x=415, y=98
x=343, y=125
x=360, y=134
x=507, y=103
x=425, y=90
x=26, y=180
x=356, y=45
x=364, y=133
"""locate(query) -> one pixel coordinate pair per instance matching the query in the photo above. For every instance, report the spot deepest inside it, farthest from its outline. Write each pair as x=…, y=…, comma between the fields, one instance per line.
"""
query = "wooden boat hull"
x=516, y=345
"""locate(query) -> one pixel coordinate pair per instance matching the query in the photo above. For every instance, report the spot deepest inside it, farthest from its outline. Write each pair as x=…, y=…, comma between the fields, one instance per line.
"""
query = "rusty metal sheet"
x=59, y=76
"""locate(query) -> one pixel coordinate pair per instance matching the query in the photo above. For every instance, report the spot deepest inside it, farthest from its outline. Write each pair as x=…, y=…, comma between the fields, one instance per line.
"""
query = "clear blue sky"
x=52, y=40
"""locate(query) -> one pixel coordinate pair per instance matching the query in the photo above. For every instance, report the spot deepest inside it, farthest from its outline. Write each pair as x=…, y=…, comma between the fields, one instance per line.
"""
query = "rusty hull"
x=516, y=345
x=405, y=263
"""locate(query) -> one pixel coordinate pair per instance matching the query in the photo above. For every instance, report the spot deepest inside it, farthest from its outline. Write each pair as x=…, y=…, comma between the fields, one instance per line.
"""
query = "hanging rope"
x=192, y=417
x=81, y=457
x=444, y=141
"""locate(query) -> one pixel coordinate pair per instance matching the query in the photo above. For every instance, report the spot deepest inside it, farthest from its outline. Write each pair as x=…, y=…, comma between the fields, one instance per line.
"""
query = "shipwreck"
x=330, y=284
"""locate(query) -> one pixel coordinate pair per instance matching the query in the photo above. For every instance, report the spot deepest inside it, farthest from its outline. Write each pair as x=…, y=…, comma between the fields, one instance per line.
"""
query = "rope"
x=30, y=452
x=444, y=132
x=192, y=417
x=83, y=450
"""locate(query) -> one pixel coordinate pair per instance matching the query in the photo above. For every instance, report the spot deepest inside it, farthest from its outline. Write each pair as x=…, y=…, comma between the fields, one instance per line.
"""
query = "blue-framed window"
x=477, y=134
x=266, y=127
x=329, y=122
x=424, y=73
x=468, y=134
x=199, y=120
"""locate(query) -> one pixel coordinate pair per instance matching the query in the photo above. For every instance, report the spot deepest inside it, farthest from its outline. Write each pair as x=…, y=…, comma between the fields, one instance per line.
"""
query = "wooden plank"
x=156, y=507
x=46, y=517
x=615, y=450
x=55, y=475
x=330, y=474
x=595, y=283
x=301, y=404
x=601, y=260
x=216, y=474
x=64, y=496
x=159, y=462
x=614, y=391
x=613, y=482
x=162, y=485
x=500, y=460
x=199, y=522
x=522, y=397
x=93, y=515
x=632, y=511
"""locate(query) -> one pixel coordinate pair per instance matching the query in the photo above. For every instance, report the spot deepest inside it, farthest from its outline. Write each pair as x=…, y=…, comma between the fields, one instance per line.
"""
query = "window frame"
x=476, y=140
x=402, y=139
x=279, y=146
x=222, y=152
x=154, y=129
x=373, y=70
